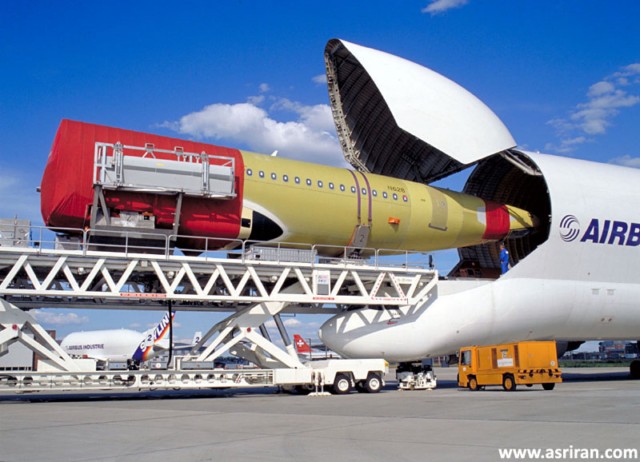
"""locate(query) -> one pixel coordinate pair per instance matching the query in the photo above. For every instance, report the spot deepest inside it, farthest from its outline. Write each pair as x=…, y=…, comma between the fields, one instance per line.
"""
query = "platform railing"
x=138, y=242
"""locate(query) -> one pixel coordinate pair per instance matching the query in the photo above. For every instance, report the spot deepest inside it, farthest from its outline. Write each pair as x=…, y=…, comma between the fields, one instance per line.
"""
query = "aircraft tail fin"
x=151, y=341
x=301, y=346
x=196, y=338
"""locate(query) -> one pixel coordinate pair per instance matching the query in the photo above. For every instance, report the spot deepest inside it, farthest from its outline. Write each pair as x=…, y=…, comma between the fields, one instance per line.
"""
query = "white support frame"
x=16, y=324
x=253, y=290
x=77, y=275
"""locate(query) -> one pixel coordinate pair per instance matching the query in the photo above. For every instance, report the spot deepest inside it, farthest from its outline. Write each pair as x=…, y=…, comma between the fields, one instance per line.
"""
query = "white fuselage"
x=583, y=283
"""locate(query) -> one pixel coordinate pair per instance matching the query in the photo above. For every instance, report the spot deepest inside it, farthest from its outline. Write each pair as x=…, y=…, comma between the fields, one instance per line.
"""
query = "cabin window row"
x=331, y=185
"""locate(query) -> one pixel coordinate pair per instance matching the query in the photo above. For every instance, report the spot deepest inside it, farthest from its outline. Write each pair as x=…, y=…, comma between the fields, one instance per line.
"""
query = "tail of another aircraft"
x=196, y=338
x=152, y=339
x=302, y=347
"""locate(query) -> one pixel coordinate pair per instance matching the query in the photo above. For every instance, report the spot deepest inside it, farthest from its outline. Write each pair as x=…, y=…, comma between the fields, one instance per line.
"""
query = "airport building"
x=610, y=349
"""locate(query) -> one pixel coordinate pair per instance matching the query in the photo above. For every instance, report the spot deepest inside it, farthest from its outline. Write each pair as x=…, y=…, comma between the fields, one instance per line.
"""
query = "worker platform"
x=255, y=283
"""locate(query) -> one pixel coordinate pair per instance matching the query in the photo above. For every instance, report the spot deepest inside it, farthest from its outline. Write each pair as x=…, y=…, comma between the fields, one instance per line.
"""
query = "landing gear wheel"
x=548, y=386
x=634, y=369
x=508, y=383
x=473, y=383
x=342, y=384
x=373, y=383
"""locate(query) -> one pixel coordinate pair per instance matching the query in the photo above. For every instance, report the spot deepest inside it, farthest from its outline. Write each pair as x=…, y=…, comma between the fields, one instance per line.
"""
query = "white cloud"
x=317, y=117
x=440, y=6
x=632, y=70
x=627, y=161
x=310, y=136
x=320, y=79
x=292, y=322
x=256, y=100
x=567, y=145
x=264, y=87
x=222, y=121
x=58, y=318
x=305, y=325
x=600, y=88
x=605, y=100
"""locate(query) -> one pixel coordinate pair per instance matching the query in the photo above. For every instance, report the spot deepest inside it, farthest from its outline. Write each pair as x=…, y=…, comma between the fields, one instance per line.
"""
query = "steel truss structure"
x=253, y=291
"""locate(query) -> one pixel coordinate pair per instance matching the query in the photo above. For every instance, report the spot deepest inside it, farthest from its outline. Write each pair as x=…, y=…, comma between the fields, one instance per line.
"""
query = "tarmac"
x=592, y=409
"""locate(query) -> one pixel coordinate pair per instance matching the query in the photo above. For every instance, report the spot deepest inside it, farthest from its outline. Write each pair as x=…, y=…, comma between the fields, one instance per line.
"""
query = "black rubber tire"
x=373, y=383
x=509, y=383
x=548, y=386
x=341, y=384
x=473, y=383
x=304, y=389
x=634, y=369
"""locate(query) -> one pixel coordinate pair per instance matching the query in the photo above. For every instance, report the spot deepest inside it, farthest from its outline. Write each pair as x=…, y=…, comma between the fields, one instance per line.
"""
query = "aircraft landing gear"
x=634, y=369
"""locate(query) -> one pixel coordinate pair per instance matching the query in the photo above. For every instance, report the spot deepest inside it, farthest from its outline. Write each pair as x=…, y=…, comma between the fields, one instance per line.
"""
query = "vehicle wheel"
x=529, y=385
x=634, y=369
x=508, y=383
x=548, y=386
x=473, y=383
x=342, y=384
x=304, y=389
x=373, y=383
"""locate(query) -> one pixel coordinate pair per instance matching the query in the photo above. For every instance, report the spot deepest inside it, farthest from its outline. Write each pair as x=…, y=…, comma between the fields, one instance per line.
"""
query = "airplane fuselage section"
x=270, y=198
x=323, y=205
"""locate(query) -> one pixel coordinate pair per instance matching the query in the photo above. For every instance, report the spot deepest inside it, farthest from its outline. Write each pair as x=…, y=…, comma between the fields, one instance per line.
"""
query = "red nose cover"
x=67, y=183
x=497, y=221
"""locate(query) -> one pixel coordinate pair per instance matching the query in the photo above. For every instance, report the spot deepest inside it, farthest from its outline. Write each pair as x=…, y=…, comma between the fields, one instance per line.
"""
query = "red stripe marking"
x=497, y=221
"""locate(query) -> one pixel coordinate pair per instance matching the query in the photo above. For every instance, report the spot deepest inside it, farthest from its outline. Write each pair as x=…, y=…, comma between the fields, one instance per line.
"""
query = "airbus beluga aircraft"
x=577, y=278
x=119, y=344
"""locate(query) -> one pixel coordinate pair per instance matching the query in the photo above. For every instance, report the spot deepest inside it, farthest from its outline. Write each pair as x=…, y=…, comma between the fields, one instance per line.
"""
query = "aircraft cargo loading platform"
x=43, y=272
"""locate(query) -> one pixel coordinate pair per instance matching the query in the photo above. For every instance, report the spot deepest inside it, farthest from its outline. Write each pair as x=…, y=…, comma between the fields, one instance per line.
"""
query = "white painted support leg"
x=17, y=323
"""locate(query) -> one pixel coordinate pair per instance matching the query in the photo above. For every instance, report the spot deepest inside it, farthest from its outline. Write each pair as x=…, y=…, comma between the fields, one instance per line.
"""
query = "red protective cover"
x=67, y=183
x=497, y=221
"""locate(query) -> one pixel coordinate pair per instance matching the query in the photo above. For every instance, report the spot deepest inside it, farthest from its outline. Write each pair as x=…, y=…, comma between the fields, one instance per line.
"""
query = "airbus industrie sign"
x=569, y=228
x=610, y=232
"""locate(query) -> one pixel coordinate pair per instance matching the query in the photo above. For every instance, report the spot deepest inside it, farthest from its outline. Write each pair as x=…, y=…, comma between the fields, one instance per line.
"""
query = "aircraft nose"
x=357, y=334
x=340, y=335
x=371, y=333
x=328, y=334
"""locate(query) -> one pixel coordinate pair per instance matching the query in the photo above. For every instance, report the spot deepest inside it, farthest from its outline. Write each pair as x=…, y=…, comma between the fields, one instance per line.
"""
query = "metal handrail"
x=320, y=253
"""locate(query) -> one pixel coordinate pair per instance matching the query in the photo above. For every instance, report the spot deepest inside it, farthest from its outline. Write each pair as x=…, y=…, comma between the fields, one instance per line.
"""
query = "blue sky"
x=564, y=76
